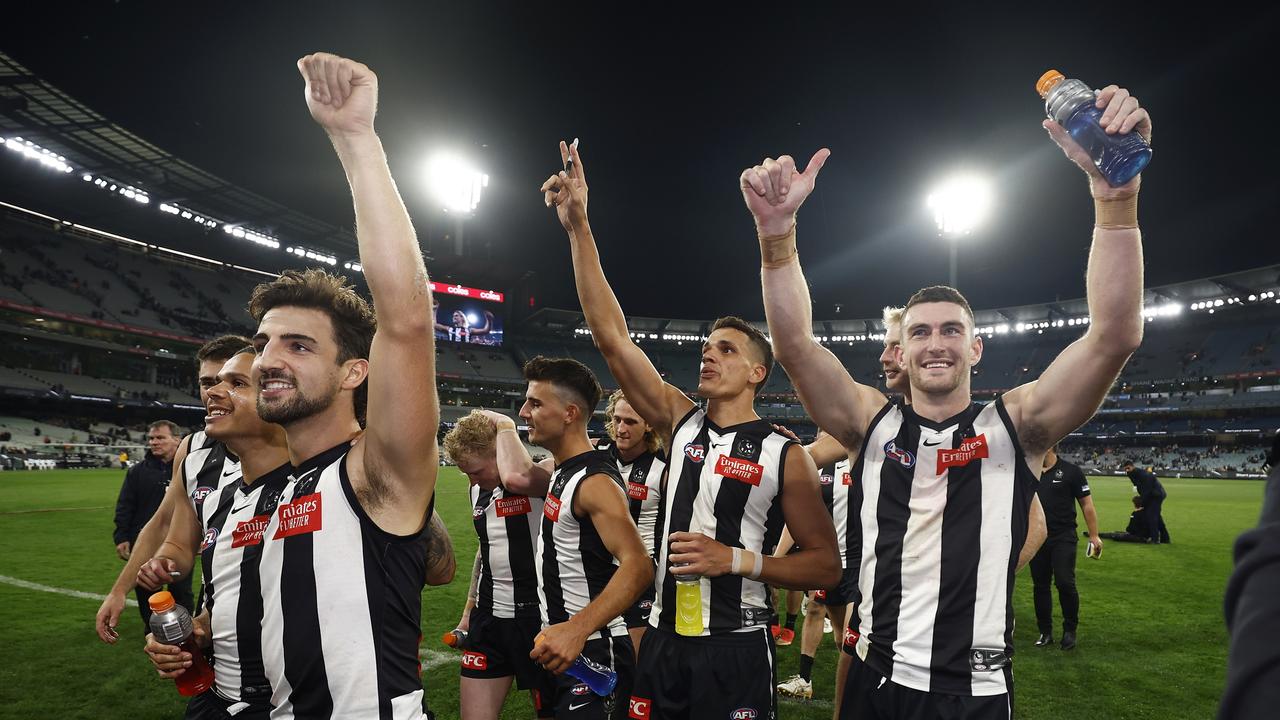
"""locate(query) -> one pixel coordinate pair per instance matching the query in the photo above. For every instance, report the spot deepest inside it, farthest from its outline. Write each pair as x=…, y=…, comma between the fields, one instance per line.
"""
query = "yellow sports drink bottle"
x=689, y=605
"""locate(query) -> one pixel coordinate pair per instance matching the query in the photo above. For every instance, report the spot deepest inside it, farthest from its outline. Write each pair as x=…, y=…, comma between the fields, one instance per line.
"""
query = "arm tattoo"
x=475, y=576
x=439, y=545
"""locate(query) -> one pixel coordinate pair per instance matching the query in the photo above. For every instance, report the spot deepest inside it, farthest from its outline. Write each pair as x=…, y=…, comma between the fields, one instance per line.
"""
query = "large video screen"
x=467, y=315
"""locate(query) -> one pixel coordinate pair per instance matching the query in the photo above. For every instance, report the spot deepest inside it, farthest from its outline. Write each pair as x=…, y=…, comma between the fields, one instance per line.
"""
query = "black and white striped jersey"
x=835, y=480
x=233, y=521
x=207, y=468
x=725, y=483
x=342, y=602
x=642, y=478
x=508, y=526
x=573, y=564
x=940, y=510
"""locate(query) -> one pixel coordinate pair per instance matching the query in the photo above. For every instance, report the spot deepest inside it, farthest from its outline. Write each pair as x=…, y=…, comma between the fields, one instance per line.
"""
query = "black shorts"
x=869, y=696
x=727, y=675
x=209, y=705
x=841, y=594
x=500, y=647
x=573, y=699
x=637, y=616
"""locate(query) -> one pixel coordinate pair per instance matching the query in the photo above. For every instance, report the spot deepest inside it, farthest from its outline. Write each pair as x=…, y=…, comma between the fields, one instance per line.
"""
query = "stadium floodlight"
x=959, y=205
x=455, y=183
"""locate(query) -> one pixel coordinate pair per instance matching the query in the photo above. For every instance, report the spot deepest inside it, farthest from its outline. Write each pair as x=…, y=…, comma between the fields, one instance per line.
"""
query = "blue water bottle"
x=601, y=679
x=1074, y=106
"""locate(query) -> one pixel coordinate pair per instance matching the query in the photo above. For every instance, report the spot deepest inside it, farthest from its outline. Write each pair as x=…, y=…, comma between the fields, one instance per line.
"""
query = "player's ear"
x=975, y=350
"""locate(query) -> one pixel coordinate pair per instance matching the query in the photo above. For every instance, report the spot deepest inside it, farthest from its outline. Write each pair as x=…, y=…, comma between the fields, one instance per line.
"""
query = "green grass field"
x=1152, y=640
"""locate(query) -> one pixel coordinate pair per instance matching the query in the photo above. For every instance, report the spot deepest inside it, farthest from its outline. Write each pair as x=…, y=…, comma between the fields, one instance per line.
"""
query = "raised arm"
x=774, y=191
x=441, y=564
x=396, y=460
x=659, y=403
x=517, y=471
x=148, y=542
x=1076, y=382
x=600, y=498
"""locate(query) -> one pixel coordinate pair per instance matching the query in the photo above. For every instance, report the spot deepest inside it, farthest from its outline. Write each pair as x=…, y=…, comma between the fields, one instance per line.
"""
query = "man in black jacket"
x=1152, y=494
x=140, y=496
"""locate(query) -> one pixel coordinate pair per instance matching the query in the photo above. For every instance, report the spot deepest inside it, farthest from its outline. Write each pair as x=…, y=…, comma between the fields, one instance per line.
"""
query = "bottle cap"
x=1047, y=81
x=161, y=601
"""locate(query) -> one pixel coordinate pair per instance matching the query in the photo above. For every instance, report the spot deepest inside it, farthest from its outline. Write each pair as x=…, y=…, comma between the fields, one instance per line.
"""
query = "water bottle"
x=689, y=605
x=1074, y=106
x=457, y=639
x=171, y=625
x=600, y=678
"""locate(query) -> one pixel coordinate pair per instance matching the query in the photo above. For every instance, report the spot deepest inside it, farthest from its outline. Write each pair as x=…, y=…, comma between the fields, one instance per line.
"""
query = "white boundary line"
x=59, y=591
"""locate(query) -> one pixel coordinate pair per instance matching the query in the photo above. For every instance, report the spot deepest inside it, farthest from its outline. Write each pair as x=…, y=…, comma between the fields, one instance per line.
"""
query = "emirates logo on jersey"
x=514, y=505
x=847, y=479
x=971, y=449
x=739, y=469
x=695, y=453
x=637, y=491
x=249, y=532
x=299, y=517
x=551, y=508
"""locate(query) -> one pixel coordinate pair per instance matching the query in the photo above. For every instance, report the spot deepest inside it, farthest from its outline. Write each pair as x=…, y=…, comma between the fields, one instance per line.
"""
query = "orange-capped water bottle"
x=1074, y=106
x=171, y=624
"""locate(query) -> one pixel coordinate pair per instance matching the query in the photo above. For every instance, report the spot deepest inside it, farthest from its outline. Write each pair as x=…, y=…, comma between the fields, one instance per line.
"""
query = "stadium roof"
x=34, y=109
x=1246, y=287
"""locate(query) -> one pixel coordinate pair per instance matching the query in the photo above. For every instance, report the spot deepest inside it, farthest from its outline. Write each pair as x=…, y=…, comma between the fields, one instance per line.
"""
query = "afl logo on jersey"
x=695, y=453
x=743, y=714
x=200, y=493
x=210, y=537
x=825, y=479
x=903, y=457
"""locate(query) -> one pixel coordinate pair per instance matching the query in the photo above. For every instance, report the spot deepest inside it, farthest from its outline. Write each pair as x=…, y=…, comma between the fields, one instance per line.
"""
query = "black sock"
x=791, y=621
x=806, y=667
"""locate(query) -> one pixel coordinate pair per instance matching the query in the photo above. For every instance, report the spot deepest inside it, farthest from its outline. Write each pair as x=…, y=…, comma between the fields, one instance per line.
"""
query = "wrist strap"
x=778, y=250
x=757, y=566
x=735, y=565
x=1120, y=214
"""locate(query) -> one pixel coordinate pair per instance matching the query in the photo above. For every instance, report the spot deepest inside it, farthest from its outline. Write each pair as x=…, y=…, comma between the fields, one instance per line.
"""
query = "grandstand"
x=80, y=329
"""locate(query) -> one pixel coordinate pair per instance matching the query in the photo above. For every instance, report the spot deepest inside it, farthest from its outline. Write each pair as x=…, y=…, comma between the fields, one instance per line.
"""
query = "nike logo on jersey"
x=242, y=507
x=579, y=705
x=931, y=444
x=229, y=473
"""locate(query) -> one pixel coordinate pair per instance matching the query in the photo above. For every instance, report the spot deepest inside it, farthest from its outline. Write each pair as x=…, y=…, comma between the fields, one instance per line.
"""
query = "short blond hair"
x=892, y=316
x=652, y=442
x=472, y=436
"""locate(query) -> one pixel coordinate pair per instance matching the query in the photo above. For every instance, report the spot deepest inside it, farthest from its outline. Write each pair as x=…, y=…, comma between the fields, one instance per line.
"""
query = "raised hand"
x=774, y=190
x=341, y=94
x=1121, y=114
x=567, y=189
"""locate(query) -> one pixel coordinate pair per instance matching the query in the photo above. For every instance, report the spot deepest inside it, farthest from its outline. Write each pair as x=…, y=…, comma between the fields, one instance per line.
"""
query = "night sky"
x=671, y=106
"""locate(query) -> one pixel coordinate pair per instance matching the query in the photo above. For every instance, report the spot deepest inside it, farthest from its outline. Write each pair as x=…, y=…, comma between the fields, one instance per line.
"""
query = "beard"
x=297, y=407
